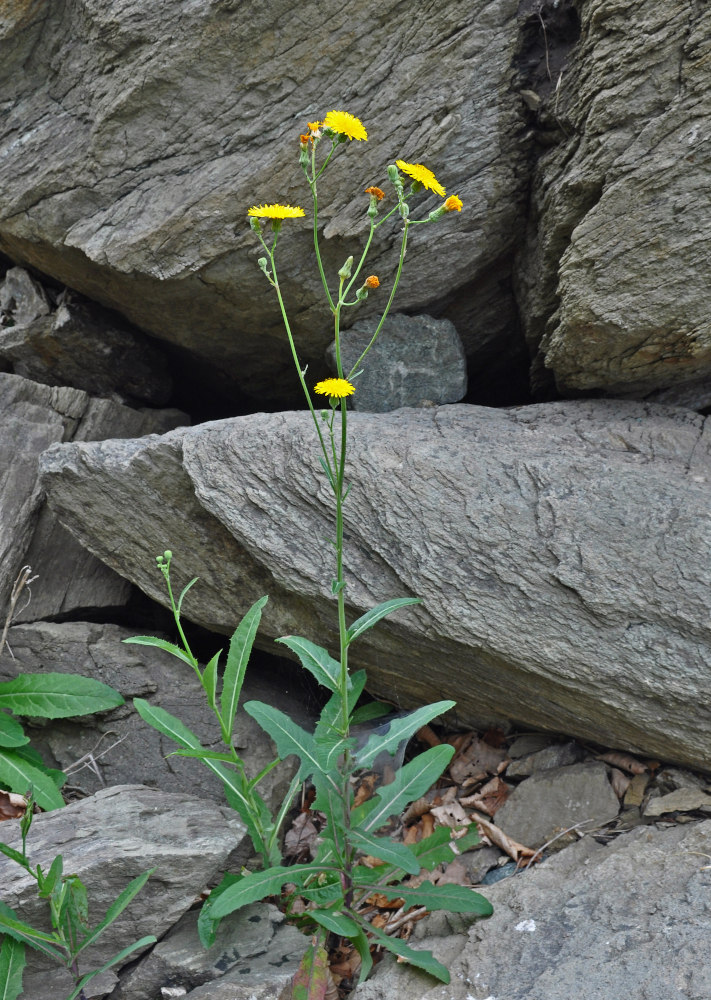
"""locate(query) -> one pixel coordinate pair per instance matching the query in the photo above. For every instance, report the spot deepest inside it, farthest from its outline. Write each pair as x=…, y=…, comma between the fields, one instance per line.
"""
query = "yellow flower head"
x=348, y=125
x=314, y=126
x=372, y=281
x=336, y=388
x=376, y=192
x=453, y=204
x=276, y=211
x=423, y=175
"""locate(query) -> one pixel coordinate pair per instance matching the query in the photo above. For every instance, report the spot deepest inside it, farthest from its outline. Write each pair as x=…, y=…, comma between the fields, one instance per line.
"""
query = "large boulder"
x=133, y=144
x=33, y=416
x=613, y=277
x=561, y=552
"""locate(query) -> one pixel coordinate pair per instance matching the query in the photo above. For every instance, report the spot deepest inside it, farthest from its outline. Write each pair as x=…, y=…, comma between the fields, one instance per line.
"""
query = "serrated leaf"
x=116, y=908
x=387, y=850
x=46, y=884
x=57, y=696
x=258, y=885
x=29, y=754
x=316, y=660
x=19, y=775
x=411, y=781
x=20, y=931
x=373, y=616
x=206, y=924
x=11, y=732
x=422, y=959
x=313, y=977
x=373, y=710
x=362, y=945
x=168, y=647
x=209, y=680
x=454, y=898
x=12, y=964
x=331, y=712
x=143, y=943
x=227, y=758
x=289, y=737
x=400, y=730
x=440, y=847
x=236, y=667
x=335, y=921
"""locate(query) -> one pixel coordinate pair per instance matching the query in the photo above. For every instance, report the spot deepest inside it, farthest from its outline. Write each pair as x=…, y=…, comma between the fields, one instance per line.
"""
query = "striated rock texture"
x=561, y=552
x=132, y=146
x=613, y=277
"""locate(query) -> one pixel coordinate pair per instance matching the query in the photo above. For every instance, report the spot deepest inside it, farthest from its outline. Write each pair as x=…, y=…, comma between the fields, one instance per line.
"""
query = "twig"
x=548, y=843
x=24, y=579
x=89, y=759
x=401, y=918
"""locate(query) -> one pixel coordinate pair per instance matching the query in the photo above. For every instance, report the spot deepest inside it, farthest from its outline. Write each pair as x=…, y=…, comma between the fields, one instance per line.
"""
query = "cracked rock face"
x=561, y=552
x=132, y=147
x=613, y=278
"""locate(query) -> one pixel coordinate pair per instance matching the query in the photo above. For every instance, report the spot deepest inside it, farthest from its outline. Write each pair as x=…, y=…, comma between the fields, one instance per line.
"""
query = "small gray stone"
x=550, y=802
x=682, y=800
x=416, y=361
x=528, y=743
x=556, y=755
x=22, y=300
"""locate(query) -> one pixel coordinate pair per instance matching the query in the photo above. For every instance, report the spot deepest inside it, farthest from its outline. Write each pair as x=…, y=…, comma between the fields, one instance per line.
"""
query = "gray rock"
x=550, y=802
x=133, y=189
x=527, y=744
x=107, y=840
x=557, y=755
x=251, y=943
x=682, y=800
x=22, y=300
x=33, y=417
x=627, y=920
x=79, y=345
x=612, y=280
x=118, y=747
x=558, y=551
x=416, y=361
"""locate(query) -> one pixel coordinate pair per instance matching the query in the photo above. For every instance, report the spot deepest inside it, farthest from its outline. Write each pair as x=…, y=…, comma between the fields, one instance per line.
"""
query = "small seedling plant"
x=331, y=890
x=71, y=932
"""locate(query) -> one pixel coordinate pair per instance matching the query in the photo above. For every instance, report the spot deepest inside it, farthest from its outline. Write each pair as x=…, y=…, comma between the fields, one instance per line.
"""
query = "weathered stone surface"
x=131, y=147
x=34, y=416
x=560, y=551
x=78, y=344
x=550, y=802
x=557, y=755
x=249, y=944
x=107, y=840
x=628, y=920
x=613, y=279
x=118, y=747
x=416, y=361
x=682, y=800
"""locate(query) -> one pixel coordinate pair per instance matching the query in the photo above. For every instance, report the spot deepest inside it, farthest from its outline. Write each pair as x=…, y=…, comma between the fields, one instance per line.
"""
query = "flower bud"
x=345, y=271
x=362, y=294
x=263, y=266
x=255, y=224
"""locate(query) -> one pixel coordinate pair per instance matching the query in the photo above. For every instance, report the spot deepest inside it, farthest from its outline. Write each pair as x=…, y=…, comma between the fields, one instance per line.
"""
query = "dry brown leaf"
x=495, y=737
x=620, y=782
x=450, y=814
x=497, y=837
x=625, y=761
x=366, y=788
x=378, y=899
x=413, y=834
x=12, y=805
x=428, y=825
x=370, y=862
x=490, y=797
x=454, y=874
x=475, y=761
x=301, y=836
x=428, y=736
x=379, y=920
x=416, y=809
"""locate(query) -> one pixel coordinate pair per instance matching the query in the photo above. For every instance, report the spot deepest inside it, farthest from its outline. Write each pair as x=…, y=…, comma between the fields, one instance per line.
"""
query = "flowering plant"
x=352, y=860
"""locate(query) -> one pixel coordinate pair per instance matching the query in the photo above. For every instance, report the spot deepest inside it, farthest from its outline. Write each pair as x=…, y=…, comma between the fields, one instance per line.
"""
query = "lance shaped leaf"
x=11, y=732
x=256, y=885
x=18, y=774
x=387, y=850
x=399, y=730
x=313, y=977
x=12, y=964
x=289, y=737
x=455, y=898
x=331, y=712
x=57, y=696
x=168, y=647
x=422, y=959
x=236, y=666
x=143, y=943
x=411, y=781
x=373, y=616
x=315, y=659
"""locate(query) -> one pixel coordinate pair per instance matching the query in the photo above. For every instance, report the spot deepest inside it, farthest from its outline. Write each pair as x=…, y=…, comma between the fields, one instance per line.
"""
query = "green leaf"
x=237, y=660
x=184, y=591
x=331, y=712
x=144, y=942
x=288, y=736
x=422, y=959
x=29, y=754
x=12, y=964
x=373, y=710
x=411, y=781
x=316, y=660
x=46, y=943
x=46, y=884
x=116, y=908
x=227, y=758
x=387, y=850
x=400, y=730
x=362, y=946
x=57, y=696
x=370, y=618
x=209, y=680
x=169, y=647
x=258, y=885
x=455, y=898
x=206, y=924
x=313, y=977
x=335, y=921
x=11, y=732
x=18, y=775
x=17, y=856
x=440, y=847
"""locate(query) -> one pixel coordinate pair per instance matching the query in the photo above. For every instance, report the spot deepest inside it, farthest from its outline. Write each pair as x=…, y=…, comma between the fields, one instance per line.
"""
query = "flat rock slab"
x=552, y=801
x=560, y=552
x=628, y=920
x=109, y=839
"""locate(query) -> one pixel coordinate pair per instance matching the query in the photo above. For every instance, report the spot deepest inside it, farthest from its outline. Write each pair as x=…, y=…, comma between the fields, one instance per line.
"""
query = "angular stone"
x=108, y=840
x=542, y=597
x=551, y=802
x=628, y=920
x=557, y=755
x=682, y=800
x=416, y=361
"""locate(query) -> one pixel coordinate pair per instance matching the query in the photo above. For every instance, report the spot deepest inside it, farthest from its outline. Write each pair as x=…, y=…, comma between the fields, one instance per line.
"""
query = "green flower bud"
x=255, y=224
x=362, y=294
x=345, y=271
